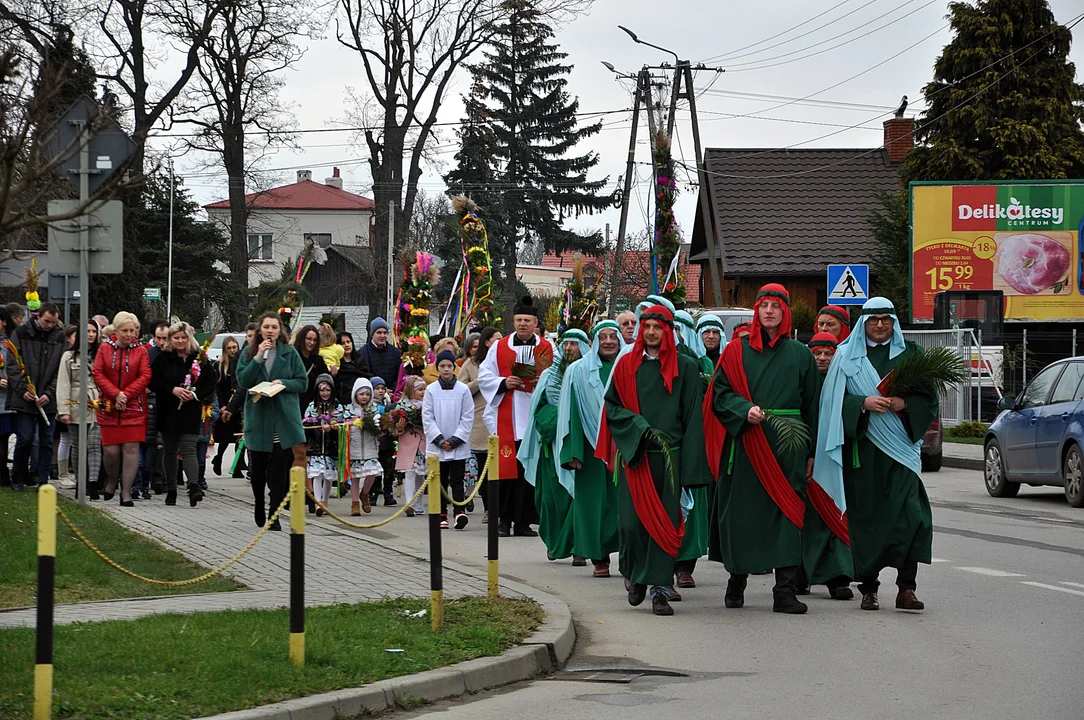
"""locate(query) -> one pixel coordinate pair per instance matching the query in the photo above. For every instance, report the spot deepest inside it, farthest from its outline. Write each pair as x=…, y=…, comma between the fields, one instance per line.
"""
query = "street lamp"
x=637, y=40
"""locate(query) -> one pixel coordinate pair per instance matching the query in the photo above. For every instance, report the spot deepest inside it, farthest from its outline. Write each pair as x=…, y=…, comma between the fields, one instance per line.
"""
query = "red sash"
x=506, y=411
x=756, y=444
x=826, y=507
x=645, y=498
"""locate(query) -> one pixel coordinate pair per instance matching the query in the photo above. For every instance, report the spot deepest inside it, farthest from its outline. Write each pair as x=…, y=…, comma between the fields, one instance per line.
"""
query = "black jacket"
x=41, y=353
x=168, y=372
x=383, y=362
x=350, y=369
x=315, y=367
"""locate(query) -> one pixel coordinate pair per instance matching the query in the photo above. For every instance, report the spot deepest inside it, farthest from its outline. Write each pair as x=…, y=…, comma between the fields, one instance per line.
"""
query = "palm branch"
x=931, y=371
x=663, y=441
x=791, y=434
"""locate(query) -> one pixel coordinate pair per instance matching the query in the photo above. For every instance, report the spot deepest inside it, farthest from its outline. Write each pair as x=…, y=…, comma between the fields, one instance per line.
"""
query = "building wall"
x=288, y=229
x=357, y=318
x=810, y=289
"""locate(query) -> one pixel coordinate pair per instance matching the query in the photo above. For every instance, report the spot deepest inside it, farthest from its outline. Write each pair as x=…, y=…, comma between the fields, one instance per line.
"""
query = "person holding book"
x=273, y=431
x=405, y=422
x=322, y=419
x=868, y=445
x=364, y=436
x=447, y=419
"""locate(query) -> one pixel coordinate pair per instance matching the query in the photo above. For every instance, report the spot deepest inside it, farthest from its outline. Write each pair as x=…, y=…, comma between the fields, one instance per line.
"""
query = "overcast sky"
x=890, y=45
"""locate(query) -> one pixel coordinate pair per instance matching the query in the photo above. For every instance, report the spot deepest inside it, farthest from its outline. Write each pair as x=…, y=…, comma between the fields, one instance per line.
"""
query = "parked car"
x=1038, y=437
x=931, y=446
x=731, y=317
x=214, y=353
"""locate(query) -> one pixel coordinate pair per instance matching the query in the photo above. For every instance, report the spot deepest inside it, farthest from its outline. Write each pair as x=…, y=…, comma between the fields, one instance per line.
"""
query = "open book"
x=265, y=389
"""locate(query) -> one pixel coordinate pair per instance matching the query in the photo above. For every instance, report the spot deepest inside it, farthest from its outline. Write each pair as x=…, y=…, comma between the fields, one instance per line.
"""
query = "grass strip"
x=174, y=666
x=82, y=576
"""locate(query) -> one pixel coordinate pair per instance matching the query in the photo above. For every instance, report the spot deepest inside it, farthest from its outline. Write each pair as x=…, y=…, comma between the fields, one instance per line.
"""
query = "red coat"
x=126, y=370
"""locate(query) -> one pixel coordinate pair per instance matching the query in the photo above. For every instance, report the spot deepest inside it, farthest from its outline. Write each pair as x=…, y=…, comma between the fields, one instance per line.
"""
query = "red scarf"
x=645, y=498
x=841, y=314
x=777, y=292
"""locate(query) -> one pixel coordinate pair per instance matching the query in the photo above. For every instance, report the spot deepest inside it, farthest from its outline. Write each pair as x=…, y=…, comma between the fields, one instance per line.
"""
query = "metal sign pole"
x=84, y=290
x=169, y=284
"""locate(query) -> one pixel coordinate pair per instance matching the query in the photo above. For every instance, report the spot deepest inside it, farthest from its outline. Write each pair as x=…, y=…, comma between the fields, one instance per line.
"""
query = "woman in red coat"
x=123, y=372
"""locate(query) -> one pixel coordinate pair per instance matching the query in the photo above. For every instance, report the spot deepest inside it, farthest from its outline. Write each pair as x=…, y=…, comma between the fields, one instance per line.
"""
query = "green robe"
x=552, y=500
x=594, y=513
x=749, y=533
x=677, y=414
x=887, y=509
x=824, y=556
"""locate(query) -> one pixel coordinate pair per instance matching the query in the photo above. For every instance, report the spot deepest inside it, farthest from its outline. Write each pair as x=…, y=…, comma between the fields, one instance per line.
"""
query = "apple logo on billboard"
x=1014, y=210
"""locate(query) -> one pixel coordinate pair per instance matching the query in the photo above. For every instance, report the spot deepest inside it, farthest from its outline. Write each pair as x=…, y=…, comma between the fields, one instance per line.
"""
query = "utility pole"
x=642, y=80
x=652, y=131
x=710, y=236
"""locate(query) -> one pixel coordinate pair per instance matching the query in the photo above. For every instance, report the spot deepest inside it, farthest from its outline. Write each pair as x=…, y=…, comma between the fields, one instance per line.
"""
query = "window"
x=259, y=247
x=1066, y=389
x=319, y=239
x=1039, y=388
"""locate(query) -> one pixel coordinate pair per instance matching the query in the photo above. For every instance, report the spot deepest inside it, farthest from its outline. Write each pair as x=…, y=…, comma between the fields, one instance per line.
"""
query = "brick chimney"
x=334, y=181
x=898, y=138
x=304, y=175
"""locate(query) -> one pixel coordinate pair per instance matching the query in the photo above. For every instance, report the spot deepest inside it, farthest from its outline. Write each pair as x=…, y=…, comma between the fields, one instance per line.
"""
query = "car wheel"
x=931, y=463
x=1073, y=472
x=994, y=472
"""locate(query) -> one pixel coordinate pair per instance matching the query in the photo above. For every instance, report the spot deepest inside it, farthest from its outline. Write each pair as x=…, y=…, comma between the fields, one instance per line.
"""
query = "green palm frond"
x=931, y=371
x=791, y=434
x=664, y=442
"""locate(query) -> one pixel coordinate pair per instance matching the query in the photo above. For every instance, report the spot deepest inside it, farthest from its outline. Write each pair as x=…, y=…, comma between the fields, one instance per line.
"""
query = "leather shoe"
x=685, y=580
x=843, y=592
x=675, y=596
x=906, y=600
x=869, y=602
x=637, y=593
x=803, y=590
x=259, y=515
x=525, y=531
x=578, y=561
x=602, y=570
x=661, y=606
x=735, y=593
x=504, y=530
x=789, y=604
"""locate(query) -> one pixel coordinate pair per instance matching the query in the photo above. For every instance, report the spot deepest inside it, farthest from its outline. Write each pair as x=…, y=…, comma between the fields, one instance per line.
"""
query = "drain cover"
x=614, y=675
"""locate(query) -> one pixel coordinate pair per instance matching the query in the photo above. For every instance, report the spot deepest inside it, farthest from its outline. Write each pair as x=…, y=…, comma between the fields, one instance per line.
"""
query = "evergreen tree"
x=532, y=180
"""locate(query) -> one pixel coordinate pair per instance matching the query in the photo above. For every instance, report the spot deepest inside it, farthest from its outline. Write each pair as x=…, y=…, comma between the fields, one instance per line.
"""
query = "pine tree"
x=522, y=169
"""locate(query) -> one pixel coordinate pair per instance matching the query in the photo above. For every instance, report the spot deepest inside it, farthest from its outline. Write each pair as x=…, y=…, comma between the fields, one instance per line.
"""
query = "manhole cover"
x=615, y=675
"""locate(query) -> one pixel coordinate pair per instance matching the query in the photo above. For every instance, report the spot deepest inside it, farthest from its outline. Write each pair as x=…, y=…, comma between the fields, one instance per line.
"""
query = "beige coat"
x=67, y=388
x=468, y=374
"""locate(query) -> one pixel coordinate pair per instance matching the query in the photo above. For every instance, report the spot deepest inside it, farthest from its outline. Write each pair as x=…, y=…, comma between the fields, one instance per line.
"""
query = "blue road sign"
x=848, y=284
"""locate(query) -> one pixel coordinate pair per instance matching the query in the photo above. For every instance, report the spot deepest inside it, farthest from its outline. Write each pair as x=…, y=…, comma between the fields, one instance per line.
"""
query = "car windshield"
x=1069, y=384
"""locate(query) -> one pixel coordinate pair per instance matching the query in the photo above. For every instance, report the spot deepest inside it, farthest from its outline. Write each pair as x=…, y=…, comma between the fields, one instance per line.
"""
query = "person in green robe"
x=870, y=444
x=594, y=513
x=541, y=451
x=651, y=431
x=712, y=336
x=826, y=553
x=766, y=385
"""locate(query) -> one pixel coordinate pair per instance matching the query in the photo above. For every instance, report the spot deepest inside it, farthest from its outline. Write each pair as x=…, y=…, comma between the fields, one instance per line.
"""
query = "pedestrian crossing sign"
x=848, y=284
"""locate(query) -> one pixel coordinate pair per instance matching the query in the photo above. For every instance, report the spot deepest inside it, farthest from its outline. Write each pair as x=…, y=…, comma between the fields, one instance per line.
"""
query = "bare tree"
x=429, y=224
x=410, y=49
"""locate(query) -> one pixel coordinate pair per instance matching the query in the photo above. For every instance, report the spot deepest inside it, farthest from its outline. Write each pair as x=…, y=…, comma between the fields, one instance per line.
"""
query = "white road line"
x=1072, y=584
x=1052, y=587
x=990, y=572
x=939, y=560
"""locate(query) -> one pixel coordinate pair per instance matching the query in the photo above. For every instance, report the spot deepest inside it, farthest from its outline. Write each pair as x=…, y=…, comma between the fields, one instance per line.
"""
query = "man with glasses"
x=868, y=446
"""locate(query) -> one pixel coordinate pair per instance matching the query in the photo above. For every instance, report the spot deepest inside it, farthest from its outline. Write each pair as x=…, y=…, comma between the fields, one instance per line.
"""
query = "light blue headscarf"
x=706, y=321
x=851, y=371
x=550, y=385
x=582, y=379
x=686, y=330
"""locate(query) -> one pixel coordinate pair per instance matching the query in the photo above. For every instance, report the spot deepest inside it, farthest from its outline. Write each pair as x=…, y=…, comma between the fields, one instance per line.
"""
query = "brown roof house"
x=785, y=215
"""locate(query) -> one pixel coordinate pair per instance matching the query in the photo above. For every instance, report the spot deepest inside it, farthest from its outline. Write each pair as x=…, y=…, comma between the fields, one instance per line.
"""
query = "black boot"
x=735, y=591
x=660, y=603
x=195, y=494
x=786, y=602
x=637, y=593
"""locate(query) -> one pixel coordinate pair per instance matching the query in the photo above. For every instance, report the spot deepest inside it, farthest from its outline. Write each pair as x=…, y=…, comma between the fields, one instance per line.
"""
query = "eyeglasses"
x=887, y=321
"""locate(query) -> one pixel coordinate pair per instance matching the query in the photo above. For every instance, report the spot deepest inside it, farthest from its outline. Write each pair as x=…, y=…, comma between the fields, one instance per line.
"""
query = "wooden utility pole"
x=710, y=231
x=642, y=82
x=652, y=129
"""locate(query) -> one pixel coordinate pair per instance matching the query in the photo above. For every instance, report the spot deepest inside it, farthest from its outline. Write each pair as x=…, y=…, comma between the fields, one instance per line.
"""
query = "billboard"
x=1022, y=238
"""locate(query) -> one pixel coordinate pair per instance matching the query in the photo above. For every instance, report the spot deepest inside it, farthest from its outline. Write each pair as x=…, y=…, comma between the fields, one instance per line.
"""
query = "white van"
x=731, y=317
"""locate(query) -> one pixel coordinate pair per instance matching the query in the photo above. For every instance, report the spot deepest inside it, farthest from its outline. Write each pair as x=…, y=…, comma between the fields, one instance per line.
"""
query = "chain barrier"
x=369, y=526
x=178, y=583
x=482, y=476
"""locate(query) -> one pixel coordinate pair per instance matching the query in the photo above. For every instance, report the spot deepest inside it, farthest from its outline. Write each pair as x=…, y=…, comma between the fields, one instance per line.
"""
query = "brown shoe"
x=869, y=602
x=906, y=600
x=355, y=509
x=365, y=505
x=319, y=511
x=602, y=570
x=685, y=580
x=675, y=596
x=485, y=518
x=578, y=561
x=409, y=512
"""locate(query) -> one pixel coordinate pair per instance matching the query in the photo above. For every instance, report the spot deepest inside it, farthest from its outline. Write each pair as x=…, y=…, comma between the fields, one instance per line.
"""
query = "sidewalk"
x=958, y=455
x=341, y=566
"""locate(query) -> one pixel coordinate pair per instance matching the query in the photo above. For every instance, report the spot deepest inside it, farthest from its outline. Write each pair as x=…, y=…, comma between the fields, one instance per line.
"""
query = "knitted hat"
x=379, y=324
x=445, y=355
x=377, y=380
x=526, y=307
x=325, y=378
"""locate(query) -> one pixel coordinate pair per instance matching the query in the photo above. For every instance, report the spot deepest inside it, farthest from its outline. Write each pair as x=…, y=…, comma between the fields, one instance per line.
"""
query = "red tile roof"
x=636, y=264
x=304, y=195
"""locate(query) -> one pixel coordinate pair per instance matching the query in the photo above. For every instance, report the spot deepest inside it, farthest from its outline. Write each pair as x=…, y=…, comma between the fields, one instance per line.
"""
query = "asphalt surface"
x=1002, y=636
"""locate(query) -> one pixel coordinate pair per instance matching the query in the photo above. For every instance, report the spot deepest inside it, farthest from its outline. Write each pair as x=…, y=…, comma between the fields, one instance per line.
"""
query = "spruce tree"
x=532, y=179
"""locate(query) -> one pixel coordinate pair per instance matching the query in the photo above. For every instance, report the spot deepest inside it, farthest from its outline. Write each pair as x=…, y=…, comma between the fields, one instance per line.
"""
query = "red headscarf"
x=825, y=340
x=776, y=292
x=625, y=372
x=841, y=314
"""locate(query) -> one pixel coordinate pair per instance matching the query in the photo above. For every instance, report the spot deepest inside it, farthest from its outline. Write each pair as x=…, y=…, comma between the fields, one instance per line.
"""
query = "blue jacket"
x=385, y=362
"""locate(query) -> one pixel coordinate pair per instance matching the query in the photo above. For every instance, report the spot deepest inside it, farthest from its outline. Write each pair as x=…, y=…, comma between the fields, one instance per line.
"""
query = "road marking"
x=939, y=560
x=1052, y=587
x=990, y=572
x=1073, y=584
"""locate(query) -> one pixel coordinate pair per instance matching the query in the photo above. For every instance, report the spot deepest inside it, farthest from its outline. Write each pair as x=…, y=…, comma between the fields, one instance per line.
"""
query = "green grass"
x=80, y=574
x=964, y=440
x=169, y=667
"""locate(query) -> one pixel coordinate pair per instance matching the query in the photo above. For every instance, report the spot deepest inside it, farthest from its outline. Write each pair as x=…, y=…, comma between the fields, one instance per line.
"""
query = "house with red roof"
x=633, y=277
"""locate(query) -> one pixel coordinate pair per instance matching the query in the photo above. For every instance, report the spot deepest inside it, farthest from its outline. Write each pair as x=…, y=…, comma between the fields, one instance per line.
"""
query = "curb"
x=963, y=463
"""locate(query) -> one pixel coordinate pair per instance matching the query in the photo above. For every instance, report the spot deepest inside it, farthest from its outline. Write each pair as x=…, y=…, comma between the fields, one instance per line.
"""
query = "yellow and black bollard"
x=297, y=566
x=436, y=560
x=43, y=655
x=493, y=502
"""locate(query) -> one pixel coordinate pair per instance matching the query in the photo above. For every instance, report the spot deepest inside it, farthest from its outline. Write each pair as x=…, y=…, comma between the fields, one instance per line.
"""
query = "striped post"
x=493, y=500
x=297, y=566
x=436, y=569
x=43, y=656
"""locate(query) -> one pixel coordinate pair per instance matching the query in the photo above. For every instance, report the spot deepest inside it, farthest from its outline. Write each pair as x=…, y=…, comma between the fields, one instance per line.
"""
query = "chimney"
x=304, y=175
x=898, y=138
x=334, y=181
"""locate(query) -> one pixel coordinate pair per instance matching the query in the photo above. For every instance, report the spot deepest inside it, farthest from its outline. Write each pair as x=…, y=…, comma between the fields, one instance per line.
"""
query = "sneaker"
x=146, y=495
x=202, y=484
x=444, y=524
x=461, y=521
x=66, y=484
x=389, y=501
x=409, y=512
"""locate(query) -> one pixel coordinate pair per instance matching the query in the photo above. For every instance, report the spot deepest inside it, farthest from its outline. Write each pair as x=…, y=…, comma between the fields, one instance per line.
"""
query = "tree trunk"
x=233, y=155
x=509, y=291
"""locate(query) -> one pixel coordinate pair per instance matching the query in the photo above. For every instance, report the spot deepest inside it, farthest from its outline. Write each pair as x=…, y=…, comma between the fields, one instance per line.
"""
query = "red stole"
x=506, y=411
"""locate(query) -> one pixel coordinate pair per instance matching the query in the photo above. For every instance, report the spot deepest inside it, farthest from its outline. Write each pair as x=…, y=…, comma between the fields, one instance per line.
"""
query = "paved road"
x=1002, y=638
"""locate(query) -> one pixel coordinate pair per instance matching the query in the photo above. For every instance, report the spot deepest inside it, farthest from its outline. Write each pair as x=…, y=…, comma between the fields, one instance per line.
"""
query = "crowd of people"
x=654, y=436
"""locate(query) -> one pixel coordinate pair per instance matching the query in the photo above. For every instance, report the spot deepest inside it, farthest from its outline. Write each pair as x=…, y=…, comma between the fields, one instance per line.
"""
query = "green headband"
x=607, y=325
x=890, y=310
x=823, y=343
x=656, y=316
x=575, y=334
x=685, y=322
x=774, y=294
x=829, y=310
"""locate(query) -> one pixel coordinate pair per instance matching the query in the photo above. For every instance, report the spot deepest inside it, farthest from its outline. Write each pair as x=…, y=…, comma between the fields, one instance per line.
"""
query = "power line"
x=780, y=34
x=832, y=104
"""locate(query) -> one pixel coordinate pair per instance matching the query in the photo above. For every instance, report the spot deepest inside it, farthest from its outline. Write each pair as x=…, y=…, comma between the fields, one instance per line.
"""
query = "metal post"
x=1024, y=369
x=652, y=129
x=630, y=168
x=704, y=198
x=1074, y=342
x=84, y=313
x=982, y=364
x=297, y=567
x=674, y=98
x=169, y=282
x=436, y=569
x=43, y=655
x=493, y=500
x=67, y=302
x=390, y=311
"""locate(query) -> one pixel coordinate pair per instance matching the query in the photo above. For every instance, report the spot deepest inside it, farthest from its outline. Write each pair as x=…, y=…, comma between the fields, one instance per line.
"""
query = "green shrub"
x=968, y=430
